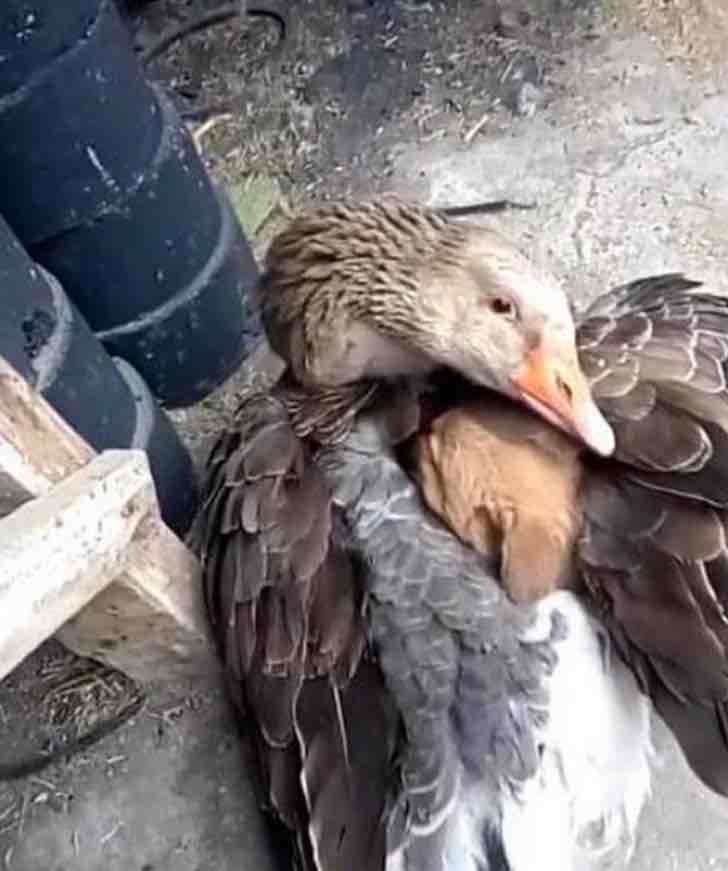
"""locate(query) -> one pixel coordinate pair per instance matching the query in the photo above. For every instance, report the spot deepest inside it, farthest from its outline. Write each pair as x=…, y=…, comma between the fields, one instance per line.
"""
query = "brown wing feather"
x=653, y=548
x=285, y=603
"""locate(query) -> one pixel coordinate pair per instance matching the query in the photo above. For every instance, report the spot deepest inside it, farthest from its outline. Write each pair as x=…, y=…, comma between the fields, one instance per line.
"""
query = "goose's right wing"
x=654, y=548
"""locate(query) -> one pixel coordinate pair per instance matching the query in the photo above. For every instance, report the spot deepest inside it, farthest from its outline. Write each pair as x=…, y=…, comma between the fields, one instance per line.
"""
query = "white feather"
x=580, y=812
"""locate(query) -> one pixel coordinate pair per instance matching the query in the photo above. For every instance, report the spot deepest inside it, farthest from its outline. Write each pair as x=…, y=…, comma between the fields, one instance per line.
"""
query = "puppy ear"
x=535, y=558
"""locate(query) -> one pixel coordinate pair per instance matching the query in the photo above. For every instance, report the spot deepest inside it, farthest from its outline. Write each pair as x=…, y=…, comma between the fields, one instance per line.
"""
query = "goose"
x=408, y=711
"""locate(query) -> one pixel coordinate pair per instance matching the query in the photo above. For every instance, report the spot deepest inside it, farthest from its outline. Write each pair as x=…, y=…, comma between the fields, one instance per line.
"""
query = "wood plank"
x=59, y=550
x=149, y=623
x=158, y=587
x=37, y=447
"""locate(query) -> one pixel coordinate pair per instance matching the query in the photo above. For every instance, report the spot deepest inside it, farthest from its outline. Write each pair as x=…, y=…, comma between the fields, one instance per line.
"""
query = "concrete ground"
x=626, y=156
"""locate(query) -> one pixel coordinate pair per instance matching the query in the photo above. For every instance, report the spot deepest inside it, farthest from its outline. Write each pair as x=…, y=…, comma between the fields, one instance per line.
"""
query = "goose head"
x=387, y=288
x=504, y=324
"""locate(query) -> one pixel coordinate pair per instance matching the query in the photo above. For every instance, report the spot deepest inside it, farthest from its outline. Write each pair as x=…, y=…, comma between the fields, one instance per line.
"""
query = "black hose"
x=483, y=208
x=210, y=19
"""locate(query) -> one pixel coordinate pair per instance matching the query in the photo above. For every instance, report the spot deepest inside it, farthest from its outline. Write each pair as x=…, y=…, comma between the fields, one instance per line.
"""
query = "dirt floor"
x=611, y=116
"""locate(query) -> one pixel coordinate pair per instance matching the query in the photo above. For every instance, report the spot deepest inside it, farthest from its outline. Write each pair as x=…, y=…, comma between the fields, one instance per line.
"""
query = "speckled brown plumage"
x=287, y=603
x=347, y=259
x=408, y=274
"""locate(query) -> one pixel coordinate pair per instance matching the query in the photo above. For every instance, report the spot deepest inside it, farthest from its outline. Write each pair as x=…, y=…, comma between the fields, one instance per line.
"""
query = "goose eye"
x=503, y=306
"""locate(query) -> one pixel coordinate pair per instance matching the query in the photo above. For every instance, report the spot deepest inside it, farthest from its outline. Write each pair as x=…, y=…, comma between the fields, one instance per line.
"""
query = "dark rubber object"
x=106, y=401
x=129, y=7
x=75, y=374
x=33, y=33
x=32, y=739
x=169, y=460
x=198, y=338
x=52, y=347
x=76, y=137
x=45, y=338
x=132, y=259
x=23, y=291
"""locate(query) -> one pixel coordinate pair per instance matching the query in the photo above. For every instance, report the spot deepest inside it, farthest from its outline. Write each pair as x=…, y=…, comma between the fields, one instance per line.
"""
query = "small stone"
x=512, y=20
x=508, y=23
x=519, y=84
x=530, y=97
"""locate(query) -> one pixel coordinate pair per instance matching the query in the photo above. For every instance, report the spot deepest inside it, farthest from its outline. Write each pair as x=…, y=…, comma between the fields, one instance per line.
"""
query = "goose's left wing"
x=285, y=603
x=653, y=550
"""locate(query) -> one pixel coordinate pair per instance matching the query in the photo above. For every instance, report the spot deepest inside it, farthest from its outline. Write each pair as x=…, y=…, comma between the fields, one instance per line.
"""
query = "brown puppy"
x=507, y=484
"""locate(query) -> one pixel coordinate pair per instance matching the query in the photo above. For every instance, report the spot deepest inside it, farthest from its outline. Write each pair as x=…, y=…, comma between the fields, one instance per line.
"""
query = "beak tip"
x=538, y=384
x=598, y=434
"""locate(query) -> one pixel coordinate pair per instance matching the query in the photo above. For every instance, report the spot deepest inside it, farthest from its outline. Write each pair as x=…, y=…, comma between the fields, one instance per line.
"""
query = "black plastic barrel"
x=103, y=184
x=164, y=276
x=82, y=127
x=170, y=462
x=191, y=344
x=34, y=33
x=142, y=249
x=45, y=338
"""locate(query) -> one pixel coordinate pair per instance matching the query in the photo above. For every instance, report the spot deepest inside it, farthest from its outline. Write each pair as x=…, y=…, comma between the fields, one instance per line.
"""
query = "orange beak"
x=552, y=383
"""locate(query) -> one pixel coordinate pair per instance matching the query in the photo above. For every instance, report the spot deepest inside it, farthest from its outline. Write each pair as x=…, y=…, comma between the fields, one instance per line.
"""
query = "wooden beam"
x=59, y=550
x=37, y=447
x=150, y=622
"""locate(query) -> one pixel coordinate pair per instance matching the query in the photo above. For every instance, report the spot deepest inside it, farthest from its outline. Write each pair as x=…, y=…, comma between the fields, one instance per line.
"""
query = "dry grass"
x=83, y=694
